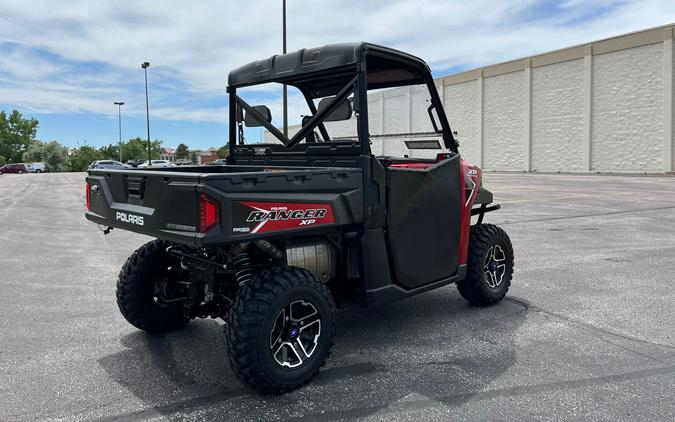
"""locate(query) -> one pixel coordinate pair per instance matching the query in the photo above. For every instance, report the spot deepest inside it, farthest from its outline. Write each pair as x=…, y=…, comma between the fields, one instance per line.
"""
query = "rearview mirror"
x=342, y=112
x=251, y=120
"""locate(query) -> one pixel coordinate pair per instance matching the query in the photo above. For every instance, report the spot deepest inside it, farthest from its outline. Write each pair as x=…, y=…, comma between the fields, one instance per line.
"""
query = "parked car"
x=218, y=162
x=108, y=164
x=36, y=167
x=134, y=163
x=183, y=162
x=17, y=168
x=157, y=164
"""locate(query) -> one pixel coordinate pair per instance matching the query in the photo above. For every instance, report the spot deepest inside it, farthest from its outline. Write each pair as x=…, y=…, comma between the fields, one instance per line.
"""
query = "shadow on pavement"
x=434, y=347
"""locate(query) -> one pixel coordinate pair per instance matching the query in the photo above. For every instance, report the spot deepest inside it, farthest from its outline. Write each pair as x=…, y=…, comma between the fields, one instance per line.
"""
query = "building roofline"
x=606, y=45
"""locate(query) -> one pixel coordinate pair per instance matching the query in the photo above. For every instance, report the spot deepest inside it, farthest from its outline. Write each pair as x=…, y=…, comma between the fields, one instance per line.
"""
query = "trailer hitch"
x=105, y=230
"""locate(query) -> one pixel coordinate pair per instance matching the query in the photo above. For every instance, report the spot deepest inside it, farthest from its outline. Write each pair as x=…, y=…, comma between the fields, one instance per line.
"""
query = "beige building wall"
x=462, y=104
x=557, y=117
x=628, y=92
x=605, y=106
x=504, y=121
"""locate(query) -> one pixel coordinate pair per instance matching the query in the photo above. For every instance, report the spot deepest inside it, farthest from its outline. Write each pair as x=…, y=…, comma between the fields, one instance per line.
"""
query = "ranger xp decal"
x=265, y=217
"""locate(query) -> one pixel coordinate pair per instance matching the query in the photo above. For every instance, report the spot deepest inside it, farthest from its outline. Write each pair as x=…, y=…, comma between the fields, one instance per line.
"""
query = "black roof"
x=331, y=58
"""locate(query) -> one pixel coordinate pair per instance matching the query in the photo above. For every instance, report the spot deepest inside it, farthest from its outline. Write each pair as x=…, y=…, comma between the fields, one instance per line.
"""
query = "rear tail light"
x=208, y=213
x=87, y=189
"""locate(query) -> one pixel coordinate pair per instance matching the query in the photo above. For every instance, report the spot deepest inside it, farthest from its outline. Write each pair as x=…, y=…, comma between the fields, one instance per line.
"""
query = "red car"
x=13, y=168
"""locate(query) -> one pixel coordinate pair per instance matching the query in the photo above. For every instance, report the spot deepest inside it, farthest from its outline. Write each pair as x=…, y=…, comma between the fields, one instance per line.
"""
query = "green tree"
x=80, y=158
x=182, y=152
x=223, y=151
x=137, y=149
x=16, y=134
x=52, y=153
x=3, y=160
x=110, y=152
x=193, y=157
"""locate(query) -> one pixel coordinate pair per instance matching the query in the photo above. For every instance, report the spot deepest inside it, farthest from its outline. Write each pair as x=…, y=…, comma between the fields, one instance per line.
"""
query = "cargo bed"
x=215, y=205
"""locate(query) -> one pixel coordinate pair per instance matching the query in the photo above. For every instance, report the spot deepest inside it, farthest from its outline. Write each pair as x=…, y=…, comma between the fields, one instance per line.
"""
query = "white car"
x=36, y=167
x=156, y=164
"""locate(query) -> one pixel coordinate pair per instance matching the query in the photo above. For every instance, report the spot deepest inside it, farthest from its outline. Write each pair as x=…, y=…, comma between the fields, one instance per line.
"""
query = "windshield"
x=323, y=108
x=260, y=117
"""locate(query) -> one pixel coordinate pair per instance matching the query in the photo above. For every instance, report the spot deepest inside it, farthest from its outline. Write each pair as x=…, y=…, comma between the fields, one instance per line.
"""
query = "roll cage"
x=337, y=70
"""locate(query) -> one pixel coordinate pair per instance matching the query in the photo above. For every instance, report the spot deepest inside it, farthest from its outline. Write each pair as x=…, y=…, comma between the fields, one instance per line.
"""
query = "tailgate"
x=158, y=203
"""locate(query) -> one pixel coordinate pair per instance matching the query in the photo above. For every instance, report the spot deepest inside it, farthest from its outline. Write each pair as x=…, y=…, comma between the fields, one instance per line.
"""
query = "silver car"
x=108, y=164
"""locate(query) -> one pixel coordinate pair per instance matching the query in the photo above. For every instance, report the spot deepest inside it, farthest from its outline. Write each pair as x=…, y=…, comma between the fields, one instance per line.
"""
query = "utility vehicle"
x=289, y=229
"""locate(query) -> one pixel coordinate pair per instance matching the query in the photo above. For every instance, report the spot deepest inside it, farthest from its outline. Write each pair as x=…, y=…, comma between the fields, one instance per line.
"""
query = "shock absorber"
x=243, y=271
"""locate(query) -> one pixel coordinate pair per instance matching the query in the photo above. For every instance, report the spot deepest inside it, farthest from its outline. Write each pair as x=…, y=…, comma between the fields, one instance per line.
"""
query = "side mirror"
x=342, y=112
x=251, y=120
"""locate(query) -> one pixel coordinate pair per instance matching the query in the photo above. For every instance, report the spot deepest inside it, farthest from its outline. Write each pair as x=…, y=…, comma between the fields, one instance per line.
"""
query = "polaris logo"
x=129, y=218
x=310, y=214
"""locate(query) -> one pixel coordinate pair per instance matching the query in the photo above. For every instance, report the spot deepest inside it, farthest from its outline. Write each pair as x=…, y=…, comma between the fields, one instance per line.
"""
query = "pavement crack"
x=596, y=332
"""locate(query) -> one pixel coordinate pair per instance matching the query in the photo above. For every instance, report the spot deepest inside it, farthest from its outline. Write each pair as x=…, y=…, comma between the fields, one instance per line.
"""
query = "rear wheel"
x=145, y=279
x=280, y=329
x=20, y=172
x=489, y=267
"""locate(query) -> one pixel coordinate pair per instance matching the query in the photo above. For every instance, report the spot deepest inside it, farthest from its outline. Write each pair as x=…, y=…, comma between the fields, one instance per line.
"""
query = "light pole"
x=119, y=105
x=145, y=67
x=285, y=87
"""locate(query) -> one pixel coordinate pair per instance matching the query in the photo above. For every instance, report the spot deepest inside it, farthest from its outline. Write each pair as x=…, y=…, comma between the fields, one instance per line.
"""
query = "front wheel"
x=280, y=329
x=20, y=172
x=489, y=266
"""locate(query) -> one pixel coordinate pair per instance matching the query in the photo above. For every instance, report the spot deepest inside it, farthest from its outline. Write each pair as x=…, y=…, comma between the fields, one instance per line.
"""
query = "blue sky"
x=66, y=62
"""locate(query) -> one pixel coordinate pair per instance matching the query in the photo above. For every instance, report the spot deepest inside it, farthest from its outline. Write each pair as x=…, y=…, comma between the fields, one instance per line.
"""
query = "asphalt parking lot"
x=586, y=332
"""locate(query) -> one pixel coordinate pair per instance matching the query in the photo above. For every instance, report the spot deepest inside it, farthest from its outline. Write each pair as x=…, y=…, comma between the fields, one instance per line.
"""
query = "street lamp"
x=145, y=67
x=119, y=105
x=285, y=87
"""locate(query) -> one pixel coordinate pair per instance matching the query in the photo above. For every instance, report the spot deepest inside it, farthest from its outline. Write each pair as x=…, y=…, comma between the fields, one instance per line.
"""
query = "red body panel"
x=470, y=181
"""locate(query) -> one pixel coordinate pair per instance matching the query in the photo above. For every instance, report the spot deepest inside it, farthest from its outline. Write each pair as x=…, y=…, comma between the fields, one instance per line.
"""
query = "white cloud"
x=193, y=45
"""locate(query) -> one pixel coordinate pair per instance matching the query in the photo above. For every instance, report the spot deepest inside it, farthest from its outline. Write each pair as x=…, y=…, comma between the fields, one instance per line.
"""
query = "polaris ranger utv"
x=288, y=230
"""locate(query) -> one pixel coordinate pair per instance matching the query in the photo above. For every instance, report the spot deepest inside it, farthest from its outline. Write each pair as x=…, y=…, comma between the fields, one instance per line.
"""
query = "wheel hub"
x=494, y=266
x=295, y=334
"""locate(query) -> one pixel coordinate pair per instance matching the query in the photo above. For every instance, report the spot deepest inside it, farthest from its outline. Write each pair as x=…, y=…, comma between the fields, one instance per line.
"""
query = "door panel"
x=424, y=222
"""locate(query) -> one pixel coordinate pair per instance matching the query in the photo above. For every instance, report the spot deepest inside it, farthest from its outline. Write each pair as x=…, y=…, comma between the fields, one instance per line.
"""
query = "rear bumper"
x=182, y=237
